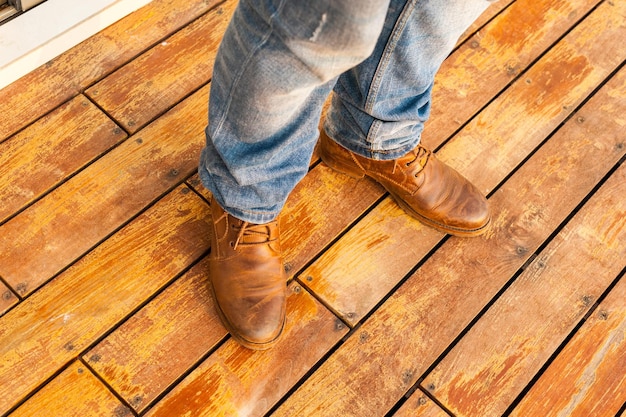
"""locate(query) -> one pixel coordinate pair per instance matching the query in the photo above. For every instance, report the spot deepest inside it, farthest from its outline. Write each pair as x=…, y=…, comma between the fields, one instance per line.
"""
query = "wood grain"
x=164, y=75
x=162, y=341
x=55, y=231
x=313, y=216
x=238, y=381
x=588, y=378
x=65, y=396
x=388, y=353
x=52, y=84
x=7, y=298
x=497, y=358
x=492, y=11
x=58, y=145
x=487, y=62
x=577, y=65
x=54, y=325
x=419, y=405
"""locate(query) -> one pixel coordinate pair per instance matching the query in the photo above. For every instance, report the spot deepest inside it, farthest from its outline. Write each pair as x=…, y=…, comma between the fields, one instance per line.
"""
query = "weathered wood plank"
x=40, y=157
x=486, y=63
x=152, y=83
x=313, y=216
x=76, y=392
x=419, y=405
x=493, y=10
x=238, y=381
x=162, y=341
x=58, y=229
x=497, y=358
x=311, y=219
x=54, y=325
x=350, y=276
x=195, y=184
x=389, y=352
x=588, y=378
x=7, y=298
x=50, y=85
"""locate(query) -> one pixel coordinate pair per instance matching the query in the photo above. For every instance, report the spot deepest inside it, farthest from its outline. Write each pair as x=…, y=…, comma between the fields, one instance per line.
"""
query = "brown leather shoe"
x=247, y=279
x=423, y=186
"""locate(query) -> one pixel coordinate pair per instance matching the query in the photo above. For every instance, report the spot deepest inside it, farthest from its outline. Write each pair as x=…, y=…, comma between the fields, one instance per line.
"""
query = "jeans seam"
x=244, y=65
x=396, y=33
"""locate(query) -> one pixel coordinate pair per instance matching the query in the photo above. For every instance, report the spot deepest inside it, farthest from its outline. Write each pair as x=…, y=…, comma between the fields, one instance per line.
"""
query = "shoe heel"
x=339, y=166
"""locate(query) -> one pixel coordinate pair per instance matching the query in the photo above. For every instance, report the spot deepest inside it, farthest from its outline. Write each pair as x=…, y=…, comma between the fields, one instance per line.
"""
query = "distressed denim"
x=278, y=62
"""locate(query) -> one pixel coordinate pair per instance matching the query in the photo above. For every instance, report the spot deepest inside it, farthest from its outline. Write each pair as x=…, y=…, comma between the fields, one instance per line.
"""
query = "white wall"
x=53, y=27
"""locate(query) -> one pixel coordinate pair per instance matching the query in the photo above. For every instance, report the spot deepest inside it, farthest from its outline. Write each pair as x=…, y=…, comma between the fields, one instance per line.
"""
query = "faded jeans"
x=278, y=62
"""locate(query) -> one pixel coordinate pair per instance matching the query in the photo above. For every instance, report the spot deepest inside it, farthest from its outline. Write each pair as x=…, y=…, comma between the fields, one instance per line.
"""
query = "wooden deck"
x=104, y=308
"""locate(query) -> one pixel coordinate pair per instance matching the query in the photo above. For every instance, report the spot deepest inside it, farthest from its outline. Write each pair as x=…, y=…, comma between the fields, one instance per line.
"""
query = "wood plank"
x=50, y=85
x=57, y=323
x=498, y=357
x=486, y=63
x=388, y=353
x=311, y=219
x=7, y=298
x=492, y=11
x=162, y=341
x=164, y=75
x=588, y=378
x=351, y=278
x=76, y=392
x=419, y=405
x=40, y=157
x=195, y=184
x=58, y=229
x=238, y=381
x=313, y=216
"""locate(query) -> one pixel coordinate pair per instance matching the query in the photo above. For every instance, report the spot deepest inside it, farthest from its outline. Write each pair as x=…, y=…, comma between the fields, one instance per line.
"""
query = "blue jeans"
x=278, y=62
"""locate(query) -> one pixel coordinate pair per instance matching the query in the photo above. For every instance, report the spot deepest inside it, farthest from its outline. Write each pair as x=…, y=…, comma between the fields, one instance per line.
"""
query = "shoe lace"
x=259, y=232
x=421, y=155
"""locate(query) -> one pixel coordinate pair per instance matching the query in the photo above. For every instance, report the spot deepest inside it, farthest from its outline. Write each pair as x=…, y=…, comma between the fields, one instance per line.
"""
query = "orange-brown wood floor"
x=104, y=236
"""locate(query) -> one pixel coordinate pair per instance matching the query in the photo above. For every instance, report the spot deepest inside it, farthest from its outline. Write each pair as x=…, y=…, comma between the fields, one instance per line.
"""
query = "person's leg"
x=380, y=106
x=277, y=63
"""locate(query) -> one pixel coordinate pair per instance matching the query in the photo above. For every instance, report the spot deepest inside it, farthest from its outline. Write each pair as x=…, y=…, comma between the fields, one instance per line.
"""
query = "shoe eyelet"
x=231, y=244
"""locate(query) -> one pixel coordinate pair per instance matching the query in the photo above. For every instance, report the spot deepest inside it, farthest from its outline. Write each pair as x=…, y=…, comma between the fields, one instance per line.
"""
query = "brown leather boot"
x=247, y=279
x=423, y=186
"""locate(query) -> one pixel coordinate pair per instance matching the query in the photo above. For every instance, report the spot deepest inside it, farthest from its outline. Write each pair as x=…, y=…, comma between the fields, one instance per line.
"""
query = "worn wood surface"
x=416, y=324
x=492, y=11
x=55, y=82
x=498, y=357
x=419, y=405
x=65, y=396
x=51, y=327
x=106, y=262
x=160, y=342
x=238, y=381
x=40, y=157
x=492, y=58
x=55, y=231
x=7, y=298
x=588, y=378
x=350, y=278
x=164, y=75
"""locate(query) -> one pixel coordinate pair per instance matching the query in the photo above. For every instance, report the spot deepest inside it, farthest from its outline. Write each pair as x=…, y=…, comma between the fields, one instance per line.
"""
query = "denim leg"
x=277, y=63
x=380, y=106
